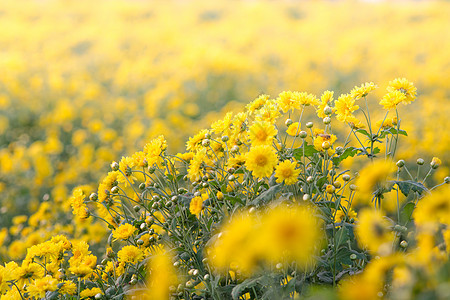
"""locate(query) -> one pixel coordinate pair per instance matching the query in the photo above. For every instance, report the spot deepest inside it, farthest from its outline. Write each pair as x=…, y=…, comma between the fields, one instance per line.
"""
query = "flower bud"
x=346, y=177
x=403, y=244
x=114, y=166
x=337, y=184
x=435, y=163
x=207, y=135
x=197, y=194
x=447, y=179
x=231, y=178
x=234, y=149
x=151, y=169
x=93, y=197
x=142, y=186
x=288, y=122
x=219, y=195
x=114, y=190
x=98, y=296
x=140, y=242
x=353, y=187
x=327, y=110
x=303, y=134
x=205, y=143
x=400, y=163
x=420, y=161
x=339, y=150
x=326, y=120
x=330, y=189
x=353, y=256
x=225, y=138
x=306, y=197
x=326, y=145
x=310, y=179
x=309, y=124
x=206, y=277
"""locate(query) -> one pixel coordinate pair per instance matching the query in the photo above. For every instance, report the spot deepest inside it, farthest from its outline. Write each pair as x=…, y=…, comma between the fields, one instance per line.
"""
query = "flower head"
x=261, y=160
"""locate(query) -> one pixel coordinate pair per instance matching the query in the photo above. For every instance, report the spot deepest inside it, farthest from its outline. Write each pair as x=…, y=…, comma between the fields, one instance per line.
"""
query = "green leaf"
x=406, y=213
x=341, y=236
x=409, y=185
x=393, y=131
x=362, y=131
x=376, y=150
x=350, y=151
x=309, y=151
x=268, y=195
x=248, y=283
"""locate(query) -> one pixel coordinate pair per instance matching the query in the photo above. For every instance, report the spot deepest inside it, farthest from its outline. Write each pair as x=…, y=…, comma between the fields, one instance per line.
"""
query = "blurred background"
x=84, y=82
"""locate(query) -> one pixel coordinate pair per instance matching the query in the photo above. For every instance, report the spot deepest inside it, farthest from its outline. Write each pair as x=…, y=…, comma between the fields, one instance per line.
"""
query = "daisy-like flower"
x=287, y=100
x=262, y=133
x=261, y=160
x=286, y=171
x=196, y=205
x=294, y=129
x=130, y=254
x=392, y=99
x=404, y=86
x=325, y=99
x=363, y=90
x=345, y=106
x=124, y=232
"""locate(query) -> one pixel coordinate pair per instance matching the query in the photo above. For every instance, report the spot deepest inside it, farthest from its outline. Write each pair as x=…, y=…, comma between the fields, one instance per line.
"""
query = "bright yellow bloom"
x=124, y=232
x=130, y=254
x=374, y=232
x=42, y=285
x=340, y=215
x=256, y=104
x=363, y=90
x=269, y=112
x=87, y=293
x=287, y=100
x=404, y=86
x=325, y=99
x=434, y=208
x=392, y=99
x=262, y=133
x=291, y=233
x=435, y=162
x=321, y=137
x=294, y=129
x=261, y=160
x=79, y=208
x=373, y=176
x=286, y=171
x=195, y=142
x=222, y=126
x=196, y=205
x=345, y=106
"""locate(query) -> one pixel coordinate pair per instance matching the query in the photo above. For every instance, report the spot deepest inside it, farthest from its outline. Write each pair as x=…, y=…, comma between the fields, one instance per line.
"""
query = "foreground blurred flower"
x=372, y=177
x=282, y=233
x=374, y=232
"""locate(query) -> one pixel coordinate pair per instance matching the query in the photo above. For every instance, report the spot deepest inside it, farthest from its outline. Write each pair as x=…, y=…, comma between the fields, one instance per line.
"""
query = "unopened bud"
x=420, y=161
x=326, y=120
x=114, y=166
x=346, y=177
x=303, y=134
x=288, y=122
x=400, y=163
x=93, y=197
x=309, y=124
x=327, y=110
x=205, y=143
x=306, y=197
x=326, y=145
x=225, y=138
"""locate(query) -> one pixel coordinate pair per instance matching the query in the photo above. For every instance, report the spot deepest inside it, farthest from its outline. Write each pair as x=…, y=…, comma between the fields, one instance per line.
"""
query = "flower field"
x=224, y=150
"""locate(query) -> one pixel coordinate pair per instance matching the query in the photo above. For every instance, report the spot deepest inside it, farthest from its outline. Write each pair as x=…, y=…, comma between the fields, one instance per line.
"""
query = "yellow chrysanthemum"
x=261, y=160
x=321, y=137
x=87, y=293
x=374, y=232
x=345, y=106
x=373, y=176
x=404, y=86
x=257, y=103
x=288, y=101
x=130, y=254
x=286, y=171
x=363, y=90
x=294, y=129
x=124, y=232
x=79, y=208
x=196, y=205
x=392, y=99
x=42, y=285
x=262, y=133
x=325, y=99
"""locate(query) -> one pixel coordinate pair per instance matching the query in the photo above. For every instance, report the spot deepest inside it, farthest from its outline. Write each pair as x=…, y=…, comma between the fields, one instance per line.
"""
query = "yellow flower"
x=222, y=126
x=256, y=104
x=363, y=90
x=77, y=202
x=87, y=293
x=195, y=142
x=404, y=86
x=269, y=112
x=345, y=106
x=392, y=99
x=325, y=99
x=124, y=232
x=42, y=285
x=434, y=208
x=321, y=137
x=162, y=276
x=262, y=133
x=287, y=100
x=130, y=254
x=261, y=160
x=196, y=205
x=373, y=176
x=294, y=129
x=374, y=232
x=435, y=163
x=286, y=171
x=291, y=233
x=340, y=215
